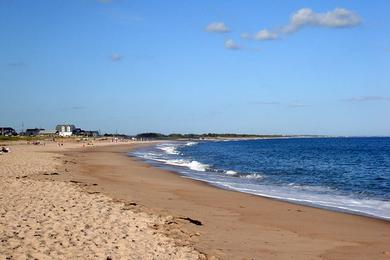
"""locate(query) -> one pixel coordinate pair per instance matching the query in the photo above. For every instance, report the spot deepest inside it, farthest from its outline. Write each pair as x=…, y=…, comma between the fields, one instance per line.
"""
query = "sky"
x=264, y=67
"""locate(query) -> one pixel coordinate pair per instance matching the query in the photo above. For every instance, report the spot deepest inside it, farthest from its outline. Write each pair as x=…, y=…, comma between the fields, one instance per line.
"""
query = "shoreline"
x=232, y=221
x=176, y=170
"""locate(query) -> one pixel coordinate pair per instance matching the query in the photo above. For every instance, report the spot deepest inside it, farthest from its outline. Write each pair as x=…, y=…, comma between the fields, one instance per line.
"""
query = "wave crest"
x=191, y=143
x=169, y=149
x=230, y=172
x=193, y=165
x=252, y=176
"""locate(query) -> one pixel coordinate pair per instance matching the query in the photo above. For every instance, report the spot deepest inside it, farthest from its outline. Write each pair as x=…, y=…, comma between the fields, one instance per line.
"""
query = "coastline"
x=165, y=156
x=234, y=225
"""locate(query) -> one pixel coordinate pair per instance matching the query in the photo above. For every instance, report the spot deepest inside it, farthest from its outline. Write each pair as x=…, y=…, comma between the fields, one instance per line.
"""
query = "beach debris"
x=169, y=220
x=93, y=192
x=128, y=205
x=67, y=161
x=53, y=173
x=5, y=149
x=195, y=234
x=192, y=221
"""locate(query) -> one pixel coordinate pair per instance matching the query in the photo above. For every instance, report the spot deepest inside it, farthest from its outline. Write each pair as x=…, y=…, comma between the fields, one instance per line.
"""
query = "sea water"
x=344, y=174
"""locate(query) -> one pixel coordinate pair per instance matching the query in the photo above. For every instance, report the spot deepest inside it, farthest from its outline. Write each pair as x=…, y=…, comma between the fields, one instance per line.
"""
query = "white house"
x=65, y=130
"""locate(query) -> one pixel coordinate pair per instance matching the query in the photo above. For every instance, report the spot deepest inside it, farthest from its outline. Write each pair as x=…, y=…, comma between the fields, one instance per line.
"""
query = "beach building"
x=81, y=132
x=7, y=131
x=65, y=130
x=48, y=132
x=92, y=133
x=34, y=131
x=78, y=131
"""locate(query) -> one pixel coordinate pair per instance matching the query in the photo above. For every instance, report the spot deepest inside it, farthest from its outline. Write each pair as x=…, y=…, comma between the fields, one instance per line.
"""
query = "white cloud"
x=116, y=57
x=217, y=27
x=265, y=35
x=337, y=18
x=231, y=45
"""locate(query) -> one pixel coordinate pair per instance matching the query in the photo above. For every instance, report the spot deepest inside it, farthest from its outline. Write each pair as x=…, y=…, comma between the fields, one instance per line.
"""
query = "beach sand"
x=45, y=219
x=103, y=203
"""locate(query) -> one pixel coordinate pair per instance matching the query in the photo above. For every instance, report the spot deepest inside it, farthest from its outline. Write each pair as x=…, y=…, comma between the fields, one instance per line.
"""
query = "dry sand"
x=45, y=219
x=103, y=203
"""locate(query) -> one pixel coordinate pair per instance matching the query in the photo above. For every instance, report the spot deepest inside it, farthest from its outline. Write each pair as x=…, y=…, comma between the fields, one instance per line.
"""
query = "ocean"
x=343, y=174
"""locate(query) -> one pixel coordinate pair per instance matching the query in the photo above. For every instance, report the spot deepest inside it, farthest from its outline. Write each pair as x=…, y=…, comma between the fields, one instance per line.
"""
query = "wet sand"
x=232, y=225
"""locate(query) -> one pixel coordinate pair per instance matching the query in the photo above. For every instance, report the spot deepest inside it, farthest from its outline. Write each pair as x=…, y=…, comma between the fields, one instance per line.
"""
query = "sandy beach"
x=41, y=218
x=98, y=203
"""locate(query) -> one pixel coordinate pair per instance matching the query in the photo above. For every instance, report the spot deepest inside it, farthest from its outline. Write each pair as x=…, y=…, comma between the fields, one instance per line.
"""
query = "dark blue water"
x=347, y=174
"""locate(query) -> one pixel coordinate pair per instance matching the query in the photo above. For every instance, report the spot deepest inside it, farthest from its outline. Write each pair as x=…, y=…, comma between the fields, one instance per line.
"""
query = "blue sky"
x=290, y=67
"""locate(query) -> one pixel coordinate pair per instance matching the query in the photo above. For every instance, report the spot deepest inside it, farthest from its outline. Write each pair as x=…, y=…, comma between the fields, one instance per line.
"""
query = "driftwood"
x=193, y=221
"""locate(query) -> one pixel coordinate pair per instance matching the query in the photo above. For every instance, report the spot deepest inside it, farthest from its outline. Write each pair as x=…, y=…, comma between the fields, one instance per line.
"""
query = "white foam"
x=367, y=207
x=191, y=143
x=197, y=166
x=230, y=172
x=252, y=176
x=168, y=149
x=193, y=165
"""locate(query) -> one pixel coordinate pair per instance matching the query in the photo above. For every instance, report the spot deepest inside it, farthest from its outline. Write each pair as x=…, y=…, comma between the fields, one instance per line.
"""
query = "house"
x=81, y=132
x=92, y=133
x=48, y=132
x=7, y=131
x=34, y=131
x=65, y=130
x=78, y=131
